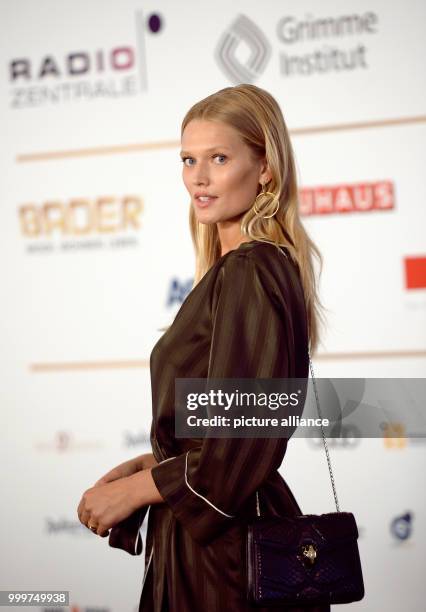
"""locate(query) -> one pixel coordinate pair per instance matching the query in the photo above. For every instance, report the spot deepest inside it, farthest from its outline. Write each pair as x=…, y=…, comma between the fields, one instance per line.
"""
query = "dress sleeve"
x=206, y=486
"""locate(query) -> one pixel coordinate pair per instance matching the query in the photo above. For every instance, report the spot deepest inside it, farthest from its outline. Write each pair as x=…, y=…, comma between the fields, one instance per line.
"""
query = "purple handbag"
x=304, y=560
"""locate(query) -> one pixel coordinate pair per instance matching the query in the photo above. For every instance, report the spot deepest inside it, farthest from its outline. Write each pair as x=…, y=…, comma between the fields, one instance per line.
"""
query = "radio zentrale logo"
x=116, y=70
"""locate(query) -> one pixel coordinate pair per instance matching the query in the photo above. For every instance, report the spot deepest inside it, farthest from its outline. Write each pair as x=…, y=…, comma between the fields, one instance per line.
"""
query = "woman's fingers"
x=120, y=471
x=108, y=477
x=101, y=481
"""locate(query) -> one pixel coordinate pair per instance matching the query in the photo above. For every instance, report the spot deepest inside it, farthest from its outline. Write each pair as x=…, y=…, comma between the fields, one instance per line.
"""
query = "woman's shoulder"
x=258, y=263
x=262, y=263
x=259, y=257
x=258, y=251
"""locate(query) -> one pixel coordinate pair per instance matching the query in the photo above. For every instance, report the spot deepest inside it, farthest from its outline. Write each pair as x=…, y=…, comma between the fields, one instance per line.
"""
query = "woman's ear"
x=265, y=174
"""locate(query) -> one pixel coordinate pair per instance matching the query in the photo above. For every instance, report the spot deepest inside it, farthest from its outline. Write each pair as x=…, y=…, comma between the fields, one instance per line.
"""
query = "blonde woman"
x=252, y=313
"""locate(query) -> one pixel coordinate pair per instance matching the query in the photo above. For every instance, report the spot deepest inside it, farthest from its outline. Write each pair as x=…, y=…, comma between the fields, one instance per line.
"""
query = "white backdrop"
x=96, y=254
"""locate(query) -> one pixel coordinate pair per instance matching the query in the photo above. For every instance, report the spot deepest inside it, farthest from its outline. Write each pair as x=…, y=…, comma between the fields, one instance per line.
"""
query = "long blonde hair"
x=258, y=119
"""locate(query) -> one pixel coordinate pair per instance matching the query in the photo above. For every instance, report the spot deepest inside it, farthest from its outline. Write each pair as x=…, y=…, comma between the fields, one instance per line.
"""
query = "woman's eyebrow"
x=207, y=150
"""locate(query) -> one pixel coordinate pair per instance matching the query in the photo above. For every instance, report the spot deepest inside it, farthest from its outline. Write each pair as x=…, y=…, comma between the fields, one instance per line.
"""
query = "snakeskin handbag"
x=304, y=560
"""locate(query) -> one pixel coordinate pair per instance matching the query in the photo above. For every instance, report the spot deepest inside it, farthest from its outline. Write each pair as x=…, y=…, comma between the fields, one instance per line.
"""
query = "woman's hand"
x=142, y=462
x=105, y=505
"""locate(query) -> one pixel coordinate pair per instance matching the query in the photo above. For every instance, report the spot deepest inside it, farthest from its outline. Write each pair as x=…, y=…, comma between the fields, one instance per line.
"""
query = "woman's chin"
x=205, y=217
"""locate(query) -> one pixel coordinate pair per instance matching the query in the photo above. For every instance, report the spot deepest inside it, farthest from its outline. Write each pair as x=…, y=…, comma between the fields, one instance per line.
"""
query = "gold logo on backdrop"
x=81, y=216
x=394, y=435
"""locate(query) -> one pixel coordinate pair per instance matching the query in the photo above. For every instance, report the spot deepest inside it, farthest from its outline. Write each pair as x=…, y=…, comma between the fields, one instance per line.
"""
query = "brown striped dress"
x=246, y=318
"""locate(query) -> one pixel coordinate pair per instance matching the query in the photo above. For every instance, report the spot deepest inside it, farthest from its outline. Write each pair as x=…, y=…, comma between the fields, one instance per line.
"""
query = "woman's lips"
x=204, y=203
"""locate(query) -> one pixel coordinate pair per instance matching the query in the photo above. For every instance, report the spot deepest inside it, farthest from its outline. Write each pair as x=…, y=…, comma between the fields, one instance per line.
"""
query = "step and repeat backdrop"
x=96, y=255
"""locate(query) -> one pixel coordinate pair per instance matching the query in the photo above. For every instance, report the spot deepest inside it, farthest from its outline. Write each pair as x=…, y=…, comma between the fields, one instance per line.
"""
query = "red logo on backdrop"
x=415, y=272
x=359, y=197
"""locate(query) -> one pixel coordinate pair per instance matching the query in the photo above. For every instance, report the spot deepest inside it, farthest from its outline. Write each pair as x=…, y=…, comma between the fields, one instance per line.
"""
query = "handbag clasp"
x=309, y=552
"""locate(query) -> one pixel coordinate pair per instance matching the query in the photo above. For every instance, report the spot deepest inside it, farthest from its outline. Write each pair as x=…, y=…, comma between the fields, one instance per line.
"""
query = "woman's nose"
x=201, y=174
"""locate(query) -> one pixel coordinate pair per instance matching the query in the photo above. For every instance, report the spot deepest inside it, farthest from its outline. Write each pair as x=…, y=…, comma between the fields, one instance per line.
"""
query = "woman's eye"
x=185, y=159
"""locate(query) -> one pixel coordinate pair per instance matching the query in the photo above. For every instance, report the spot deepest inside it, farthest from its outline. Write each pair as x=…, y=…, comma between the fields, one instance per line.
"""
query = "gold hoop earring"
x=274, y=197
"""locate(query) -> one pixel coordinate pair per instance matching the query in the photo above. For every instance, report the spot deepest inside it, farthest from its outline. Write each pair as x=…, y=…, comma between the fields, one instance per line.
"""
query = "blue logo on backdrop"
x=402, y=526
x=178, y=291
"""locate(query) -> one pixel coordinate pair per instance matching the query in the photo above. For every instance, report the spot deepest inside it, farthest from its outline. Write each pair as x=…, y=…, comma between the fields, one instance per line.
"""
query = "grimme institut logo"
x=305, y=46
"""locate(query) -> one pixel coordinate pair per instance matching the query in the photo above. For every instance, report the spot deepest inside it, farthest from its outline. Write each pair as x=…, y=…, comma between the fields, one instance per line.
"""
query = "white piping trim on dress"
x=147, y=567
x=168, y=459
x=202, y=497
x=138, y=535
